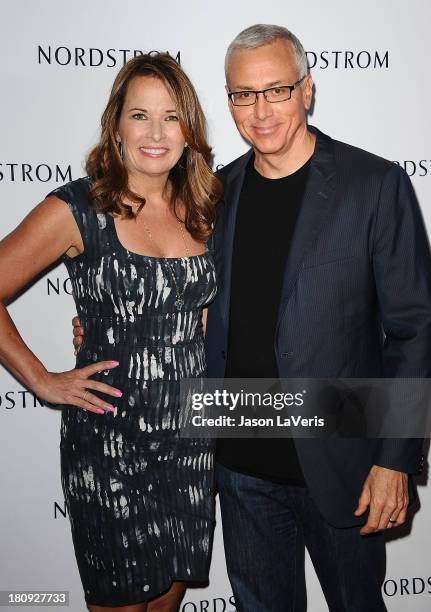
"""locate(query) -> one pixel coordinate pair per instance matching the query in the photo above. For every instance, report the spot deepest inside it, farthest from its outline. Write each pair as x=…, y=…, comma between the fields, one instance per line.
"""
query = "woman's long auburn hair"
x=192, y=180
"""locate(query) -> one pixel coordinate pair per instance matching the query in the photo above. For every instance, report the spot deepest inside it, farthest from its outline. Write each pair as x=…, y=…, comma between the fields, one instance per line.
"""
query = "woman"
x=132, y=235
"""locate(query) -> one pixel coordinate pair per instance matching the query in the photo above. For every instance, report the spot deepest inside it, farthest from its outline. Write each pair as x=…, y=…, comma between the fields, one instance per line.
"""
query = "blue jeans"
x=266, y=528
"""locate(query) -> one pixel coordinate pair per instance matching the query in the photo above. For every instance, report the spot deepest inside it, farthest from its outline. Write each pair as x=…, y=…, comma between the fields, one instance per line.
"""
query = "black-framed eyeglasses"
x=281, y=93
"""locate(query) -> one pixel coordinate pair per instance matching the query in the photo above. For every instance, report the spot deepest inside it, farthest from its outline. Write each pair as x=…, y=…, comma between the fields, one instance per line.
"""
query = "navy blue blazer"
x=355, y=303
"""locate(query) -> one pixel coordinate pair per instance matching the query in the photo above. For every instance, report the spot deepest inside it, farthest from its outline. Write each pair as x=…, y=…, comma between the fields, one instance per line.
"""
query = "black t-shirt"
x=266, y=217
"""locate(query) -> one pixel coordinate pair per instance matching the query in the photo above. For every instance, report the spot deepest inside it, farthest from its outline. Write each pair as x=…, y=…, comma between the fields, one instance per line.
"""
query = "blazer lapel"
x=317, y=201
x=232, y=192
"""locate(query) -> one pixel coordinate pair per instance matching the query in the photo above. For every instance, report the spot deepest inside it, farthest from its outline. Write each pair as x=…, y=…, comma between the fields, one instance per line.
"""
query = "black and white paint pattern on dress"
x=140, y=499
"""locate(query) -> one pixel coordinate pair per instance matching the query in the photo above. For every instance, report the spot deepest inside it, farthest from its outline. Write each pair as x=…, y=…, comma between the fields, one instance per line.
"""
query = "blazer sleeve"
x=402, y=271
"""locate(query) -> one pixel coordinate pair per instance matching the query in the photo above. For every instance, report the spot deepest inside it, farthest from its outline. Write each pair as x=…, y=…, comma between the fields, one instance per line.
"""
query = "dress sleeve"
x=75, y=195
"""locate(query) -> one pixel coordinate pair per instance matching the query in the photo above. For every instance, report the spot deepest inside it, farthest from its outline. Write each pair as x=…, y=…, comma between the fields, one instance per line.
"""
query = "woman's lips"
x=153, y=152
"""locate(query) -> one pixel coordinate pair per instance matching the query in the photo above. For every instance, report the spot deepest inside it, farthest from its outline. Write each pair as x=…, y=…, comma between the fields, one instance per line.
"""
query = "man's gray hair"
x=263, y=34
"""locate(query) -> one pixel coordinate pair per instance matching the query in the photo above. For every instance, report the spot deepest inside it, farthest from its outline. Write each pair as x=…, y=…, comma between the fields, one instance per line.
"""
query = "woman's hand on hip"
x=76, y=388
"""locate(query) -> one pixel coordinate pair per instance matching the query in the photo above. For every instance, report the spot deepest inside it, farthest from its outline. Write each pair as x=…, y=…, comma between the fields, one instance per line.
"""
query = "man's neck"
x=279, y=165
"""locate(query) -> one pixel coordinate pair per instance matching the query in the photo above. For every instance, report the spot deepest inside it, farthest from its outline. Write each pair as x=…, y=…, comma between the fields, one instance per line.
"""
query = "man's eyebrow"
x=249, y=88
x=275, y=83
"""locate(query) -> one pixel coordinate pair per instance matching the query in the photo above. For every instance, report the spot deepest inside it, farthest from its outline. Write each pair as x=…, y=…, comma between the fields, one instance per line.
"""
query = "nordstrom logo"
x=91, y=56
x=348, y=59
x=42, y=172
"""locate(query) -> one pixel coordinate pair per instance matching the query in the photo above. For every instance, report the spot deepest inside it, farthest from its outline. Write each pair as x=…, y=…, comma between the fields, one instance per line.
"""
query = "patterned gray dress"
x=140, y=498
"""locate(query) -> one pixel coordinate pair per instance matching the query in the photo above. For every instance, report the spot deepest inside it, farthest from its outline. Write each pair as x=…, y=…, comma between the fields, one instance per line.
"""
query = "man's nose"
x=262, y=108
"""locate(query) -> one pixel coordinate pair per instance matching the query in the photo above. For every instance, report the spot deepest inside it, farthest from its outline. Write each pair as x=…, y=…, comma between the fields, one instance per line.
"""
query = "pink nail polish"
x=115, y=363
x=110, y=408
x=99, y=411
x=118, y=393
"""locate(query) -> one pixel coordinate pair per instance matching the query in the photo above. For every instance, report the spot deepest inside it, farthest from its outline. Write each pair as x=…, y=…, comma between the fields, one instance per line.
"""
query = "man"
x=319, y=248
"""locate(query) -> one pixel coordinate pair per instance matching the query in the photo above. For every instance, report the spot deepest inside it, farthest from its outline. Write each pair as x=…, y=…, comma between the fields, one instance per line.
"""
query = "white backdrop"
x=58, y=60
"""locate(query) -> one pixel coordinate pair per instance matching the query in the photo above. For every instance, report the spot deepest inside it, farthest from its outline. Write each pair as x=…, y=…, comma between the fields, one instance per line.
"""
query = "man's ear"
x=307, y=91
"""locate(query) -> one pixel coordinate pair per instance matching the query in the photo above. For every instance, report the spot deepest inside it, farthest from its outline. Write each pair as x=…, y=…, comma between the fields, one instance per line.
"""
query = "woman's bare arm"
x=47, y=232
